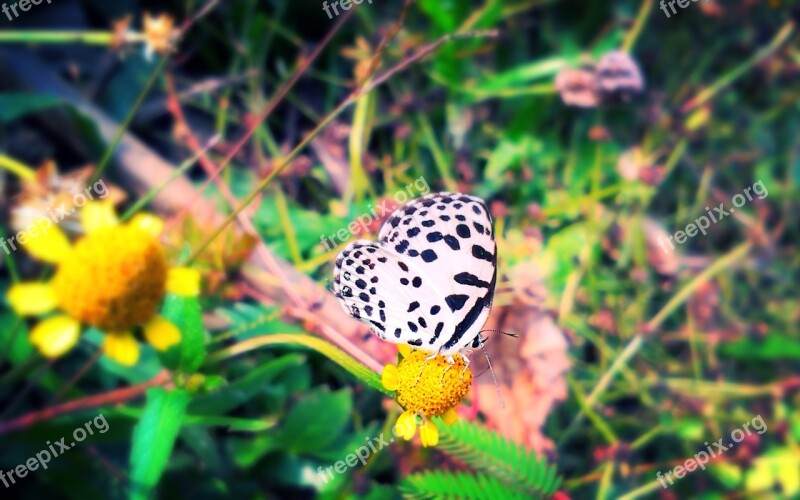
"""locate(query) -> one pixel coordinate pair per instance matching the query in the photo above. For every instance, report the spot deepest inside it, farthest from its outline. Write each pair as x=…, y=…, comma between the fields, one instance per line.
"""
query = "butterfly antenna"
x=496, y=385
x=515, y=335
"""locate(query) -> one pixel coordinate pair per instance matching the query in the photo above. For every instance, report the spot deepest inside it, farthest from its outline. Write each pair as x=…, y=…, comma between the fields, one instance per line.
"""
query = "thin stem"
x=424, y=51
x=731, y=76
x=16, y=167
x=144, y=200
x=325, y=348
x=128, y=119
x=94, y=401
x=638, y=340
x=642, y=490
x=641, y=19
x=79, y=375
x=58, y=37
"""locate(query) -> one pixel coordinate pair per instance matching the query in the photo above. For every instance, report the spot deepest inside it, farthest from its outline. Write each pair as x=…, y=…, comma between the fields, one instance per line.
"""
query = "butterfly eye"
x=476, y=343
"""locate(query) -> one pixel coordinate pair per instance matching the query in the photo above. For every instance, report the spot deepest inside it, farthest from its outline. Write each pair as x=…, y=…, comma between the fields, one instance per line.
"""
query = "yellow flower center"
x=113, y=279
x=439, y=387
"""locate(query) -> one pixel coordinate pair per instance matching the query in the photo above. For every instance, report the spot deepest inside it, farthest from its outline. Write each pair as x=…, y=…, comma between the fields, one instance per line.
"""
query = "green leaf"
x=248, y=321
x=442, y=13
x=774, y=346
x=317, y=421
x=14, y=339
x=522, y=75
x=246, y=452
x=244, y=389
x=186, y=314
x=439, y=484
x=202, y=421
x=564, y=251
x=775, y=471
x=490, y=452
x=18, y=104
x=154, y=437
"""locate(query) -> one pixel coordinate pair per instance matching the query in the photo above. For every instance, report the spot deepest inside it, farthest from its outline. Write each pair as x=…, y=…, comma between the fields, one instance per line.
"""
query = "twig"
x=83, y=370
x=271, y=105
x=95, y=401
x=421, y=53
x=638, y=340
x=123, y=127
x=728, y=78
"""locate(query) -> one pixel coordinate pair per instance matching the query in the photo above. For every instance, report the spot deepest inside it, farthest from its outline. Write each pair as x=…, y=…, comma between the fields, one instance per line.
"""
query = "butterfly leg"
x=450, y=360
x=423, y=368
x=465, y=355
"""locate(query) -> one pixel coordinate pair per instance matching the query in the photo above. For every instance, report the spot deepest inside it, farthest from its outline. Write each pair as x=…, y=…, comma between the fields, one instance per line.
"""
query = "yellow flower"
x=113, y=279
x=426, y=386
x=159, y=32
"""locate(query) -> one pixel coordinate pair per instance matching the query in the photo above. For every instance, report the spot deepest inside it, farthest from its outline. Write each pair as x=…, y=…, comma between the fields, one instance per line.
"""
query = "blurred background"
x=640, y=161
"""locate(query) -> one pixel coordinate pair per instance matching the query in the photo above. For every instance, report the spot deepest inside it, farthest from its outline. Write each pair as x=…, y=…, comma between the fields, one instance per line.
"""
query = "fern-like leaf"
x=490, y=452
x=460, y=485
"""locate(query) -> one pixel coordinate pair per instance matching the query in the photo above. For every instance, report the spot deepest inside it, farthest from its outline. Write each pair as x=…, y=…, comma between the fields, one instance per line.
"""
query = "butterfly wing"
x=448, y=238
x=376, y=286
x=429, y=280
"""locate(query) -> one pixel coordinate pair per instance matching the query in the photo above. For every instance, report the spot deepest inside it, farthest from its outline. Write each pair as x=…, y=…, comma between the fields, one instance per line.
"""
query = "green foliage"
x=317, y=421
x=17, y=105
x=251, y=384
x=487, y=451
x=247, y=321
x=481, y=115
x=774, y=346
x=186, y=314
x=154, y=438
x=438, y=484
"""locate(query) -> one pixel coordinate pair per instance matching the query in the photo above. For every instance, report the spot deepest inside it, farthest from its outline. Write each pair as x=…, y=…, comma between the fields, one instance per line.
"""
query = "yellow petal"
x=390, y=378
x=184, y=281
x=148, y=223
x=404, y=350
x=406, y=426
x=122, y=348
x=98, y=215
x=44, y=241
x=429, y=434
x=55, y=336
x=450, y=416
x=161, y=334
x=32, y=299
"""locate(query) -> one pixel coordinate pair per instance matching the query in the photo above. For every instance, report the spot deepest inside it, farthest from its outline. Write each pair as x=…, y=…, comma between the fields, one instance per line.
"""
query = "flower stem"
x=58, y=37
x=327, y=349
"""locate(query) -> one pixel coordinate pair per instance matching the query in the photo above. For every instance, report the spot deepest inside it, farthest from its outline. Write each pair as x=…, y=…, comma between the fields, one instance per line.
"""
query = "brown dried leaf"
x=530, y=369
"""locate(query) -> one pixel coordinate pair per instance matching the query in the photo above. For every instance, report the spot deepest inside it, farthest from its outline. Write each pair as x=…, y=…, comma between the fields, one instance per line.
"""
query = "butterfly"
x=430, y=278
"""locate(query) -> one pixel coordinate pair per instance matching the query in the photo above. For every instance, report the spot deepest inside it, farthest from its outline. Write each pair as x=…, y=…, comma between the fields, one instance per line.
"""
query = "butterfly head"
x=478, y=341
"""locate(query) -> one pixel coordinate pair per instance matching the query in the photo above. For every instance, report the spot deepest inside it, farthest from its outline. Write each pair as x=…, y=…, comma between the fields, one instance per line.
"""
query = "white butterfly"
x=429, y=280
